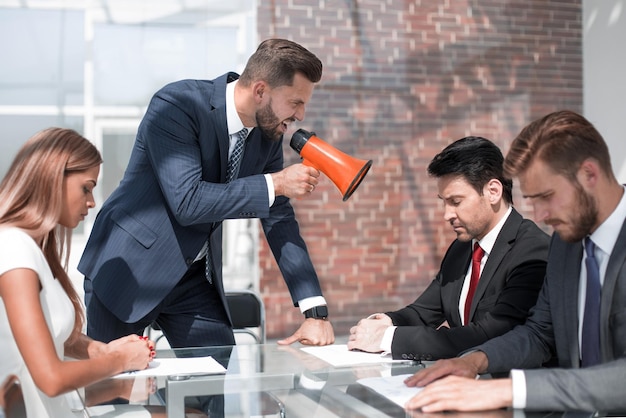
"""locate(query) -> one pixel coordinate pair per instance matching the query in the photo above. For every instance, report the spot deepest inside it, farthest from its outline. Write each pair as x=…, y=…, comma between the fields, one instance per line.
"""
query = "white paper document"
x=338, y=355
x=117, y=411
x=391, y=387
x=177, y=366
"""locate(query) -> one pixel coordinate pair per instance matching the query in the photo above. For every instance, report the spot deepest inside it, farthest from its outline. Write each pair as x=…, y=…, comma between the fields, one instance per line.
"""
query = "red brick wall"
x=402, y=79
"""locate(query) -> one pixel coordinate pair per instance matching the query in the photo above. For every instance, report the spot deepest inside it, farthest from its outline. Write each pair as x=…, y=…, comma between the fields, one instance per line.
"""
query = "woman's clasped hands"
x=136, y=351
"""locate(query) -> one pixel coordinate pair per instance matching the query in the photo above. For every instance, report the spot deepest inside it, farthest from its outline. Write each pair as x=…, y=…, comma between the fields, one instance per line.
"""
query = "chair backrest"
x=247, y=311
x=12, y=398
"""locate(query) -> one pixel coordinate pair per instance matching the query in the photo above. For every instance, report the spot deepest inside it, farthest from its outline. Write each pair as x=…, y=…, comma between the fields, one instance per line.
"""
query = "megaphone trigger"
x=346, y=172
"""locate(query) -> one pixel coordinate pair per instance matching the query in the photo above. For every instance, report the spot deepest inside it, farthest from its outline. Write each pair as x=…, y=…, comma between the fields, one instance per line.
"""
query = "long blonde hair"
x=31, y=196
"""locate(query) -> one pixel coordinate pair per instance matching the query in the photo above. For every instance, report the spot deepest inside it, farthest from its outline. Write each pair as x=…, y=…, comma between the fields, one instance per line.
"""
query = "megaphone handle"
x=308, y=163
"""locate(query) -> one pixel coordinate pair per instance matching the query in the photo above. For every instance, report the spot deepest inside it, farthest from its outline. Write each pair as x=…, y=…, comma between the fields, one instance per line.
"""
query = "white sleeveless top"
x=19, y=250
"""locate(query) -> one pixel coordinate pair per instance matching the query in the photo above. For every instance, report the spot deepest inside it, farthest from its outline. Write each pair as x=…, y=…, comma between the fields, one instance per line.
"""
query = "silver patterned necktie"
x=234, y=161
x=235, y=157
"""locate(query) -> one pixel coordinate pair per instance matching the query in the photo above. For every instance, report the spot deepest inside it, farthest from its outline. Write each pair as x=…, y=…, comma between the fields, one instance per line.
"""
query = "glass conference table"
x=261, y=381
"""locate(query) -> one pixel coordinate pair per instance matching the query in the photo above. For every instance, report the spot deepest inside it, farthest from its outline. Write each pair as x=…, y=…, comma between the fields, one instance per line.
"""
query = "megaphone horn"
x=345, y=171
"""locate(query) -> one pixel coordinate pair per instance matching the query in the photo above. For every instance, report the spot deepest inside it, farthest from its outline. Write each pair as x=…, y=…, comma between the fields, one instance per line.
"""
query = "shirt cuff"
x=308, y=303
x=519, y=389
x=271, y=194
x=385, y=343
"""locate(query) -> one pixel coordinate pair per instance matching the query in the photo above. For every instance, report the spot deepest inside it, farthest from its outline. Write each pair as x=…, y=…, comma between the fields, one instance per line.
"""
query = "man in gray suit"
x=155, y=251
x=478, y=204
x=564, y=169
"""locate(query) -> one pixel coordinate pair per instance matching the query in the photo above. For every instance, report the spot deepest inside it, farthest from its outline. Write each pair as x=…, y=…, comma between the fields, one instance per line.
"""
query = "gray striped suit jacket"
x=553, y=328
x=173, y=195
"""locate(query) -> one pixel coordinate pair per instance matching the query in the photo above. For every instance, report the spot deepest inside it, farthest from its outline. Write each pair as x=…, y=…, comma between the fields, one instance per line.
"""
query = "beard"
x=584, y=219
x=469, y=232
x=268, y=123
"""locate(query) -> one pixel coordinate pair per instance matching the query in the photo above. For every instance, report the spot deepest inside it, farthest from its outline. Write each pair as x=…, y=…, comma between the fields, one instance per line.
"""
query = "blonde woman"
x=46, y=192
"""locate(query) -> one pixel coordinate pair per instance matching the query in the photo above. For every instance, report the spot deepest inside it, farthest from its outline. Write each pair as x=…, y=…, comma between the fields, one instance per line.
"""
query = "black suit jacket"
x=508, y=288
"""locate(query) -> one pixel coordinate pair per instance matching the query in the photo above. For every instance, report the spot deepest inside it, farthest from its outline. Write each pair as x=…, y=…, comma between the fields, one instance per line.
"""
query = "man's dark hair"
x=276, y=61
x=477, y=160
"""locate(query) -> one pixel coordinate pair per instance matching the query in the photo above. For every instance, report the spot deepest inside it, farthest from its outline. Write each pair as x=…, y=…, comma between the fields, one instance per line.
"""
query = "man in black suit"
x=510, y=264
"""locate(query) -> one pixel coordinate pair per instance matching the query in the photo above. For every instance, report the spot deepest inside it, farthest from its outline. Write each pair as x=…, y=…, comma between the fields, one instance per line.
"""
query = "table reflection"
x=265, y=381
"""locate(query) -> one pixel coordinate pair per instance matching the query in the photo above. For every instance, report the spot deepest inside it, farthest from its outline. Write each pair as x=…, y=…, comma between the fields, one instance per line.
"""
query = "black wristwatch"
x=317, y=312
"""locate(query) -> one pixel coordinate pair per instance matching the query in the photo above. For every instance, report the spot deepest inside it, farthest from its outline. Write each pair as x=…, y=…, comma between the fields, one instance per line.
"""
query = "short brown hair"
x=276, y=61
x=563, y=140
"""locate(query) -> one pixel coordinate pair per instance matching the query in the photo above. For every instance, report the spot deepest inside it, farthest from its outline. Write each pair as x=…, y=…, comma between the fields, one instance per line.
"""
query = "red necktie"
x=477, y=256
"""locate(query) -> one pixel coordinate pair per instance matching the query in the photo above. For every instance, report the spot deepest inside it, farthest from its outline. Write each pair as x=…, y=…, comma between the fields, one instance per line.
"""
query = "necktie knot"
x=590, y=248
x=478, y=253
x=241, y=135
x=235, y=157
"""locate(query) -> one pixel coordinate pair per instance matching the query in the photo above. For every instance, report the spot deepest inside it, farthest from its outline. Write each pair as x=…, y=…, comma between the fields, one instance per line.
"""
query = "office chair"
x=247, y=311
x=12, y=398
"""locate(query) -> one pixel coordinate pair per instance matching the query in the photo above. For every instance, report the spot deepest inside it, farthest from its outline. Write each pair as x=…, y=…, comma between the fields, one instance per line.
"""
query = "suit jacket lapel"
x=570, y=283
x=614, y=269
x=218, y=116
x=451, y=293
x=503, y=244
x=251, y=153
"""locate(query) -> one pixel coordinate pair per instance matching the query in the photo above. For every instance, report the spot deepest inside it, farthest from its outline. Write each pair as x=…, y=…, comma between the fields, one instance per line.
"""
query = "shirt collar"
x=489, y=240
x=605, y=236
x=232, y=118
